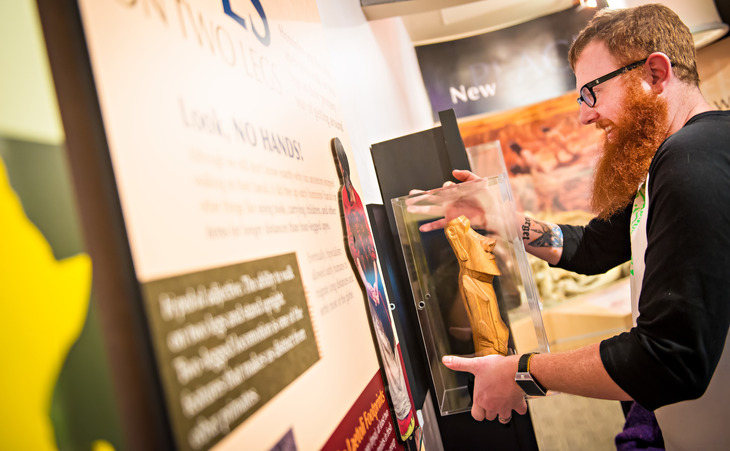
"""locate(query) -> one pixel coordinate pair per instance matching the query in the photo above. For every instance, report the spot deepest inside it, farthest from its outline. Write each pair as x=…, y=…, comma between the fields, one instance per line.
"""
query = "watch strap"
x=523, y=366
x=524, y=379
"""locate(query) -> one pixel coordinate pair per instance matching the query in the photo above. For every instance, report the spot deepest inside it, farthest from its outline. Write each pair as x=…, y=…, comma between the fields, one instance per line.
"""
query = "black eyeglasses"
x=587, y=95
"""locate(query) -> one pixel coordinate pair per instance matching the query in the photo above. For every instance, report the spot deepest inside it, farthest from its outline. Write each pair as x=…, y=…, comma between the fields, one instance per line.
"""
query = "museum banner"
x=504, y=69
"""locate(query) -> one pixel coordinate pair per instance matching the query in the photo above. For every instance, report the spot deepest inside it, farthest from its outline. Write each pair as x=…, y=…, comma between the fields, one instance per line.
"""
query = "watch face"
x=528, y=385
x=525, y=380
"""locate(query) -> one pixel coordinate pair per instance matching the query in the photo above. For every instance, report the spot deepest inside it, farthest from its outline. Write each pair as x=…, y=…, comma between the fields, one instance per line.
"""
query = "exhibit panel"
x=471, y=289
x=200, y=144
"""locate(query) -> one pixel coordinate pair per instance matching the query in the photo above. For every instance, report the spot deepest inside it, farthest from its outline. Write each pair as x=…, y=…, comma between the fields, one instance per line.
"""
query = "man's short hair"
x=632, y=34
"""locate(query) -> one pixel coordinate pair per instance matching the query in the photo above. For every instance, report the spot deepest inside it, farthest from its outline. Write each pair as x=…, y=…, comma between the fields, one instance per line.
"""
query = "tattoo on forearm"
x=547, y=236
x=526, y=229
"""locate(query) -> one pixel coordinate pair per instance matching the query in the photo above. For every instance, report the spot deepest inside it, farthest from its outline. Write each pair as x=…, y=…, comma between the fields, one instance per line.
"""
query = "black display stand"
x=424, y=160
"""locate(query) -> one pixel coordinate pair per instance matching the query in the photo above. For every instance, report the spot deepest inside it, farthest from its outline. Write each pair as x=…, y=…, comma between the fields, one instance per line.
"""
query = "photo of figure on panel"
x=363, y=257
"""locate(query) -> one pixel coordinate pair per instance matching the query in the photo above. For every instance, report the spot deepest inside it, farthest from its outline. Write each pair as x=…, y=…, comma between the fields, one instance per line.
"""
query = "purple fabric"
x=641, y=431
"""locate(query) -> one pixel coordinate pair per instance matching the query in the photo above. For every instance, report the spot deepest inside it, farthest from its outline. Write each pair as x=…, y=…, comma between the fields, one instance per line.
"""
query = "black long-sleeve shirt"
x=684, y=306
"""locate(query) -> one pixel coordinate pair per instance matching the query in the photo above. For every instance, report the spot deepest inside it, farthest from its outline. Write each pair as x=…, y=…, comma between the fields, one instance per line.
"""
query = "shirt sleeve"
x=684, y=307
x=598, y=246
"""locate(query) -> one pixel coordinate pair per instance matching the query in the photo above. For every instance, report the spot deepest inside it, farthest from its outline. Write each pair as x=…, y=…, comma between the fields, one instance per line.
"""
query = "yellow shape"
x=43, y=305
x=101, y=445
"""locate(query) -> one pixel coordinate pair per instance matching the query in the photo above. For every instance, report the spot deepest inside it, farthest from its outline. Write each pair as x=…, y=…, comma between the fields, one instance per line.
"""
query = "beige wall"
x=378, y=80
x=713, y=64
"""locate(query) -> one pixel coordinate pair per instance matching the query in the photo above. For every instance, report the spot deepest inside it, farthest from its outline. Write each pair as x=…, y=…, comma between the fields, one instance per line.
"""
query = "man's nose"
x=587, y=115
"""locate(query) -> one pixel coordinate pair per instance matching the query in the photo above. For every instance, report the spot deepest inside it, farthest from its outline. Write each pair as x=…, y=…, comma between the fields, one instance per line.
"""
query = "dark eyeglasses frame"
x=587, y=89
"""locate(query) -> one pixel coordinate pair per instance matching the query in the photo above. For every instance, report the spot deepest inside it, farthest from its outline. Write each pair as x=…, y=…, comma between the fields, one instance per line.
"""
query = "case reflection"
x=471, y=281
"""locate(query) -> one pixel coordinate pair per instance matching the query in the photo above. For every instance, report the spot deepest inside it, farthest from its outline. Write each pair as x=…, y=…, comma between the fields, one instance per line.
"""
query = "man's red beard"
x=625, y=159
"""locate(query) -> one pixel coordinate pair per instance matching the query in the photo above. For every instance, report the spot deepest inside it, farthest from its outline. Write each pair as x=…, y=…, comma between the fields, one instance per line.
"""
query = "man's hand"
x=448, y=205
x=464, y=176
x=496, y=394
x=459, y=174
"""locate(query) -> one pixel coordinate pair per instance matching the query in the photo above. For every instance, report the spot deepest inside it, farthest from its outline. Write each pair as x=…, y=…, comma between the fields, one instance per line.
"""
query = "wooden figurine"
x=477, y=268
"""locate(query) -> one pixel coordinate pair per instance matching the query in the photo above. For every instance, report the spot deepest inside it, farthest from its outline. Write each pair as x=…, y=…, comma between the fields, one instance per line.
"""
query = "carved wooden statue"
x=477, y=268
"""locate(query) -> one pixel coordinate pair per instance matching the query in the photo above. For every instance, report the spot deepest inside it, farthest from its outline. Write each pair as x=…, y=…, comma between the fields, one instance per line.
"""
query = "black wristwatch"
x=524, y=379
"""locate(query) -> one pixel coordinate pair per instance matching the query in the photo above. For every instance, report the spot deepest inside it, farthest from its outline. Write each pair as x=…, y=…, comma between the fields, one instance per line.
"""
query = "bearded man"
x=661, y=193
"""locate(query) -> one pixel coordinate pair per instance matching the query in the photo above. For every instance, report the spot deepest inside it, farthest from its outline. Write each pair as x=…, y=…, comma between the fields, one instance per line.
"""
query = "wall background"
x=378, y=82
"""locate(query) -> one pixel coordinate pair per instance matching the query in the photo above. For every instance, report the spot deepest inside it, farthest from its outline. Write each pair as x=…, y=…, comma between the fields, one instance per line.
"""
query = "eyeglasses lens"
x=587, y=96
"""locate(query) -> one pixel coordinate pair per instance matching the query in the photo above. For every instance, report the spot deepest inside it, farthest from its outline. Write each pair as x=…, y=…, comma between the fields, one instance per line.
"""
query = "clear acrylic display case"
x=433, y=271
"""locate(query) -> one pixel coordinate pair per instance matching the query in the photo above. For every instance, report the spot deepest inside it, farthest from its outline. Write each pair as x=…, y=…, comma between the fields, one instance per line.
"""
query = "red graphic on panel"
x=364, y=259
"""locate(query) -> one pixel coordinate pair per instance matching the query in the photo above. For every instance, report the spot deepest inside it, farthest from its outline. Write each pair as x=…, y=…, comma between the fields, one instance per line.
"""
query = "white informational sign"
x=219, y=116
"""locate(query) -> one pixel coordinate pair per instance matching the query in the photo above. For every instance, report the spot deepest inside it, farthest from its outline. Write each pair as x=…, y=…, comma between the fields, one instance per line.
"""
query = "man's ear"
x=660, y=70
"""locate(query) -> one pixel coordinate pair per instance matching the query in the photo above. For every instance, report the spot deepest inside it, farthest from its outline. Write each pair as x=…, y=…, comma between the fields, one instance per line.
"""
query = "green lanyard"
x=637, y=213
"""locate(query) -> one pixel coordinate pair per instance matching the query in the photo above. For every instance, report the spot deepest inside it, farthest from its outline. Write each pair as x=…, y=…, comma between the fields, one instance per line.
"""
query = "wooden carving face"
x=474, y=251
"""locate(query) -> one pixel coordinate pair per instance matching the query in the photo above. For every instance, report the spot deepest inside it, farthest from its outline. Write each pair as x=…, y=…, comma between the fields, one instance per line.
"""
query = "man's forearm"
x=578, y=372
x=541, y=239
